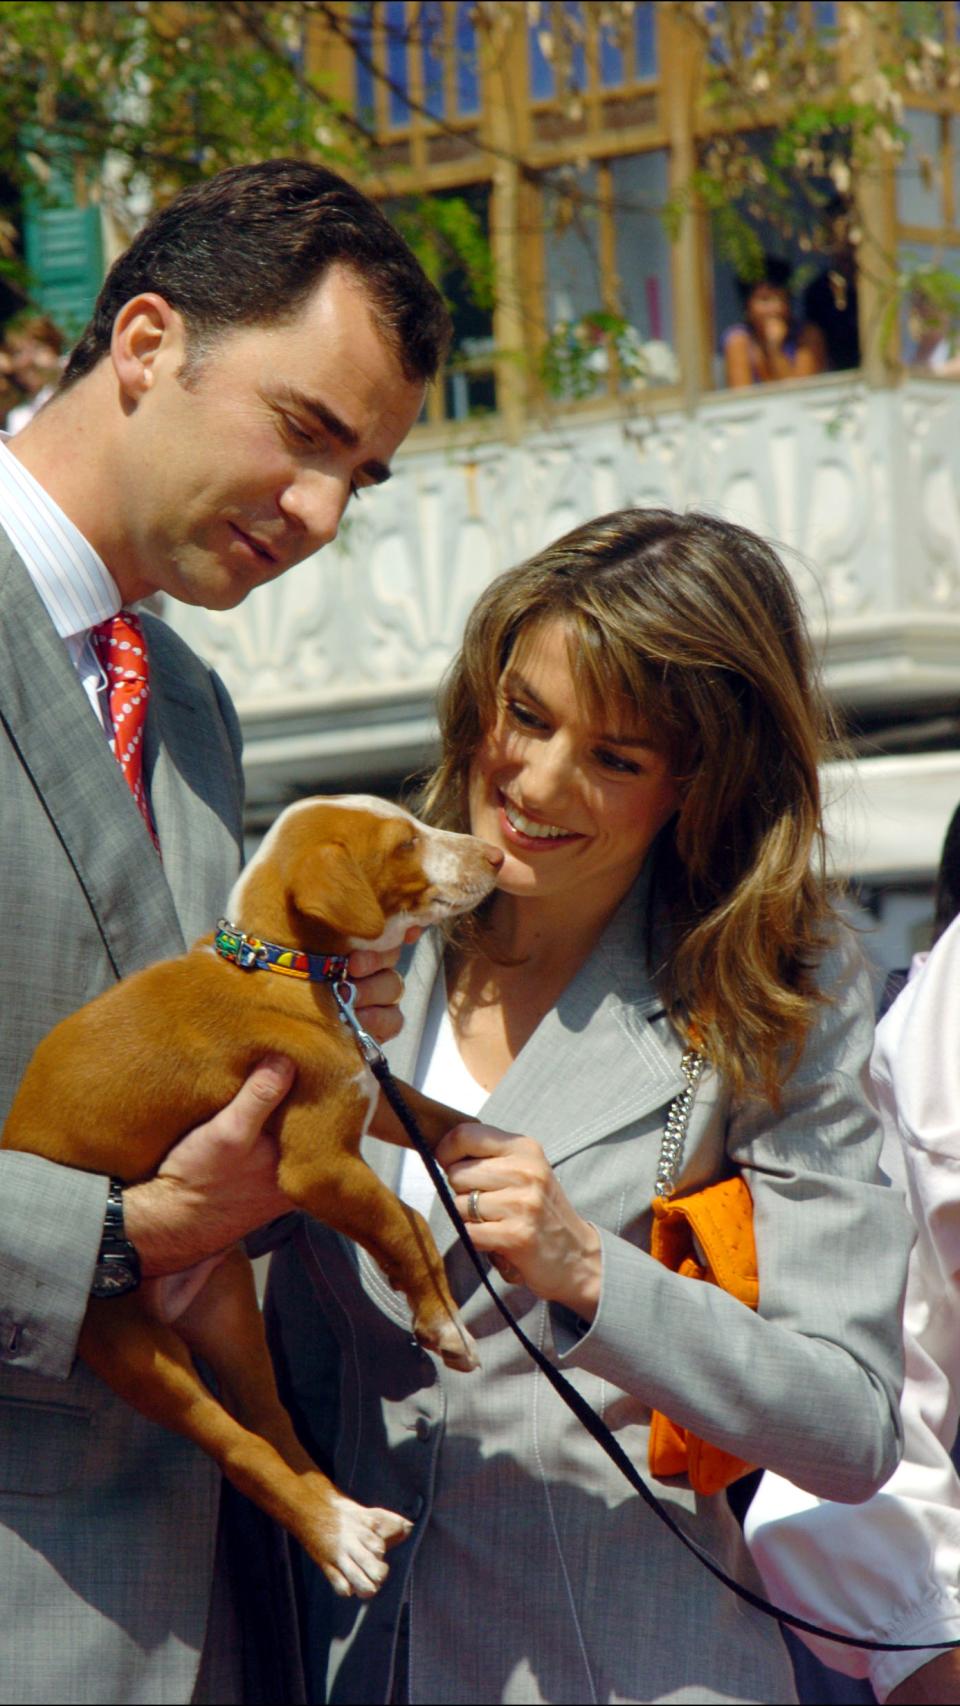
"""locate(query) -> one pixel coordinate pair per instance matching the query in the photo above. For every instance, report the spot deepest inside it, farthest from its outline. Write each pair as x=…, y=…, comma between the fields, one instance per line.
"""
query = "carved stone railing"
x=334, y=667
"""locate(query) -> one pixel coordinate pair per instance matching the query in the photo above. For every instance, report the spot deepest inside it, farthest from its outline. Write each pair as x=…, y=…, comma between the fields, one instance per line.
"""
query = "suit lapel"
x=190, y=773
x=81, y=786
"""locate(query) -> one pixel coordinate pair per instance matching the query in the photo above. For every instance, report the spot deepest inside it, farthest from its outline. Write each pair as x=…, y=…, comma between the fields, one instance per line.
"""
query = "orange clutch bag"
x=708, y=1237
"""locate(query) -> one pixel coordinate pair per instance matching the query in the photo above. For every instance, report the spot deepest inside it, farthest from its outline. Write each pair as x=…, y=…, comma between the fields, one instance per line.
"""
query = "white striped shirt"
x=76, y=587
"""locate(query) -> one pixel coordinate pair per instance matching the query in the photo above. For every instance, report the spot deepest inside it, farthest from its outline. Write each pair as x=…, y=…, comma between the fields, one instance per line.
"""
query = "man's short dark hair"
x=248, y=247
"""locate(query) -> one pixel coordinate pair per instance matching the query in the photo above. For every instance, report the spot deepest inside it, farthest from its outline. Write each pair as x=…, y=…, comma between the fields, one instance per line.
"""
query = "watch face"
x=113, y=1278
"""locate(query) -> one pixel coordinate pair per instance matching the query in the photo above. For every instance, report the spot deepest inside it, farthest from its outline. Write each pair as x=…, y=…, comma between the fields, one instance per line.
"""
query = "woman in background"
x=766, y=344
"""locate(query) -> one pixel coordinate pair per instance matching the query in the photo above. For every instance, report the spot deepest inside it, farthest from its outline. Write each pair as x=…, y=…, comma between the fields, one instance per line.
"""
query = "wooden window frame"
x=597, y=92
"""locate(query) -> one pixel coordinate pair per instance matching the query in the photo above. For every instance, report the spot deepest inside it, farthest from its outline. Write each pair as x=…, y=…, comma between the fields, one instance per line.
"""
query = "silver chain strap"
x=675, y=1129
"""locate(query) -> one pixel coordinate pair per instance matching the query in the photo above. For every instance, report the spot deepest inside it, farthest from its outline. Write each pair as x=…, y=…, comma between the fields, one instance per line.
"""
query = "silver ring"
x=473, y=1206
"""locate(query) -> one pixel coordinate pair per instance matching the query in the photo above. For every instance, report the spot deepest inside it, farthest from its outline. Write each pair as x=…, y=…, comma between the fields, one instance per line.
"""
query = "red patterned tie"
x=122, y=650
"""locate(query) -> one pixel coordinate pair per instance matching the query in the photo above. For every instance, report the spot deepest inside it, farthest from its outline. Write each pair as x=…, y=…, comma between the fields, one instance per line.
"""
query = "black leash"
x=581, y=1409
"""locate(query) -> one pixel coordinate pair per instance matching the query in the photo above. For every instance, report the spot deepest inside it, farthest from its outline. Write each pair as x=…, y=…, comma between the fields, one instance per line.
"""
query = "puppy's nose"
x=493, y=855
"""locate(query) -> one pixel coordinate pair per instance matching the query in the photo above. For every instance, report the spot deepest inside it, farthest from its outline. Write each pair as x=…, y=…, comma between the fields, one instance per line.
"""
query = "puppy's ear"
x=328, y=884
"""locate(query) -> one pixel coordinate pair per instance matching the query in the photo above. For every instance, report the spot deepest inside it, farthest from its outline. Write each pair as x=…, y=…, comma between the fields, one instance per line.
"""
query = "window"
x=629, y=208
x=397, y=61
x=468, y=73
x=928, y=240
x=608, y=295
x=361, y=29
x=415, y=63
x=570, y=50
x=468, y=387
x=925, y=174
x=643, y=257
x=574, y=282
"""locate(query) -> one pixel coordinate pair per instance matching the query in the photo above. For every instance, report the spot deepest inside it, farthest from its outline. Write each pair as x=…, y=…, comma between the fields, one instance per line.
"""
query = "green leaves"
x=159, y=93
x=447, y=234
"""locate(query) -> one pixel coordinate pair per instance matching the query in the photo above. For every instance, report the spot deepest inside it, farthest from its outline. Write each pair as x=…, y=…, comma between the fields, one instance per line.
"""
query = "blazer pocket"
x=43, y=1447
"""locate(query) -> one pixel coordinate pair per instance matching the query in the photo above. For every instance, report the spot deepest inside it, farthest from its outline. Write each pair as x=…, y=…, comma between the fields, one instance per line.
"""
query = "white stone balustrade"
x=333, y=667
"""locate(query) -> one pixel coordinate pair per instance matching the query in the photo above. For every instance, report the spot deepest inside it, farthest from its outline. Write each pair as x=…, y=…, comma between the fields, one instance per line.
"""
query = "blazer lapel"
x=54, y=730
x=418, y=968
x=190, y=772
x=593, y=1066
x=595, y=1063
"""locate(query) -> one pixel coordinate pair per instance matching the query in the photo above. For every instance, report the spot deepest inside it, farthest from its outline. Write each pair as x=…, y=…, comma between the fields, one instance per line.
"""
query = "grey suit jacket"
x=107, y=1523
x=533, y=1573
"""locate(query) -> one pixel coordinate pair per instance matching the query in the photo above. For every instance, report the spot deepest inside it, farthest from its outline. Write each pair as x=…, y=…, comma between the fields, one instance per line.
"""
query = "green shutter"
x=63, y=249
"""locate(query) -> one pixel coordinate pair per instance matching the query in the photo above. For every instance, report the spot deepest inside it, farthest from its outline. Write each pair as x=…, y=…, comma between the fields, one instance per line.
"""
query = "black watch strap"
x=118, y=1265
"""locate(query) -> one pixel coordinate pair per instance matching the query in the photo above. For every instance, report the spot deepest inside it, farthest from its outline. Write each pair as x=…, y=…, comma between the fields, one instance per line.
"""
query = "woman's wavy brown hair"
x=693, y=623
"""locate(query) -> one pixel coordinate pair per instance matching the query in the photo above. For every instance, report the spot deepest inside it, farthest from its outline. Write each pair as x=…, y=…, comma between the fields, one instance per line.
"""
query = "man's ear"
x=329, y=885
x=145, y=327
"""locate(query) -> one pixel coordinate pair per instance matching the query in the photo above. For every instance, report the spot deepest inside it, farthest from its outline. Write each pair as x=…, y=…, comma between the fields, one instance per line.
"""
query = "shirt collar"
x=71, y=578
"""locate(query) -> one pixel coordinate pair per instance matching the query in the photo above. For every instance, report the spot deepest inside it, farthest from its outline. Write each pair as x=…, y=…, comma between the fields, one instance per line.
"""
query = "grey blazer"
x=533, y=1573
x=107, y=1523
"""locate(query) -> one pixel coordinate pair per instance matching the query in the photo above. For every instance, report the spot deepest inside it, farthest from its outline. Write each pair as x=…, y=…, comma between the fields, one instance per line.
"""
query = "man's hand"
x=217, y=1184
x=379, y=988
x=220, y=1181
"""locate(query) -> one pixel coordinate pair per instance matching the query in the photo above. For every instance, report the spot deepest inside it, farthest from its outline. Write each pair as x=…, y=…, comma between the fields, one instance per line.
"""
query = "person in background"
x=766, y=344
x=634, y=721
x=35, y=345
x=10, y=392
x=946, y=905
x=889, y=1570
x=946, y=894
x=932, y=326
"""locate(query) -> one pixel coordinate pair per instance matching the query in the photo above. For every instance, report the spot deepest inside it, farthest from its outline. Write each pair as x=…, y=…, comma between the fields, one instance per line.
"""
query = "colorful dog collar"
x=250, y=954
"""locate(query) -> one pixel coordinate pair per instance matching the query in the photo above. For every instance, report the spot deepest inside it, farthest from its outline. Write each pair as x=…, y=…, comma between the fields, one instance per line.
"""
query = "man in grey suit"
x=254, y=359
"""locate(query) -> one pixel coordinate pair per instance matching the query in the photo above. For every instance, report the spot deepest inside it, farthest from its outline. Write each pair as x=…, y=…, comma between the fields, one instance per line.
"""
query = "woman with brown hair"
x=657, y=997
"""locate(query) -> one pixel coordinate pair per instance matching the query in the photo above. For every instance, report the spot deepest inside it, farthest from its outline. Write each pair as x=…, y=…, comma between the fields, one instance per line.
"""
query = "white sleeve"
x=889, y=1570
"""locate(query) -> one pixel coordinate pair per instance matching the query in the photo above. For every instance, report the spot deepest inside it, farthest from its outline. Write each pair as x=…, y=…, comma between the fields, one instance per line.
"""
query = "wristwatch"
x=118, y=1265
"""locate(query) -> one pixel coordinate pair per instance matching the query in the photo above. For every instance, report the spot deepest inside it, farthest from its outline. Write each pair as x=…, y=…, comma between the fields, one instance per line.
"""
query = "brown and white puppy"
x=181, y=1037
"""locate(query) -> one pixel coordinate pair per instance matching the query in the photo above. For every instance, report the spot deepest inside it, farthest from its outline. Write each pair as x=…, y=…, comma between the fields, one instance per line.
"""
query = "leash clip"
x=250, y=952
x=345, y=995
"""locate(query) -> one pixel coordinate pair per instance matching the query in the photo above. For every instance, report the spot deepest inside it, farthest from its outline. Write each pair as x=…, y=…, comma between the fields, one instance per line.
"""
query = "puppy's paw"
x=451, y=1341
x=354, y=1562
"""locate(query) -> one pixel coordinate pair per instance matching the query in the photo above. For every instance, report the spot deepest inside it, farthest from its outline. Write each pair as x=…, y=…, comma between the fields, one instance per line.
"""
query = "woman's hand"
x=772, y=332
x=379, y=988
x=524, y=1221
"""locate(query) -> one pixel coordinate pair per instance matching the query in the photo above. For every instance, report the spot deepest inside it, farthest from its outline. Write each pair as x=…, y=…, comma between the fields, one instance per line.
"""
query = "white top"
x=439, y=1073
x=71, y=578
x=890, y=1569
